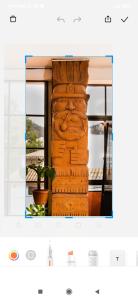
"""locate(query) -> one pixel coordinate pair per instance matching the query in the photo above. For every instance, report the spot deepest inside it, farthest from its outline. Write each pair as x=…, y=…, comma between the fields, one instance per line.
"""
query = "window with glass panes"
x=36, y=130
x=99, y=114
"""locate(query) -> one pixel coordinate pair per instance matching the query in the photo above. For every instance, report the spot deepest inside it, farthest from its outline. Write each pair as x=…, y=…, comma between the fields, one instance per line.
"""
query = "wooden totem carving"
x=70, y=138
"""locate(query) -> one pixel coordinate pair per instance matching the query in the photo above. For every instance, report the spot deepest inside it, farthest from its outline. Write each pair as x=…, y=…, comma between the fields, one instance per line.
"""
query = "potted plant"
x=41, y=195
x=35, y=210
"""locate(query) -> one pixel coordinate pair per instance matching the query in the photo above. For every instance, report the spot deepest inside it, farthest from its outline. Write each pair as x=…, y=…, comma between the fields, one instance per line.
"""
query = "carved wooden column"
x=70, y=138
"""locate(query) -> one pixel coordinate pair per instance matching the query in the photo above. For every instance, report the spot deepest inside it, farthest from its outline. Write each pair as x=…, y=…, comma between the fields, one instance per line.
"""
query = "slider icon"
x=50, y=257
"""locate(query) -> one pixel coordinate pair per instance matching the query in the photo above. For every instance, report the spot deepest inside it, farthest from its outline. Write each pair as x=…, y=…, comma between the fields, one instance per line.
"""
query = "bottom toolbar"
x=52, y=252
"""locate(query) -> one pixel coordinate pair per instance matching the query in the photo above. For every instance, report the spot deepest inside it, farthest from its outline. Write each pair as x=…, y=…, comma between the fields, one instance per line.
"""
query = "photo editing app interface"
x=68, y=155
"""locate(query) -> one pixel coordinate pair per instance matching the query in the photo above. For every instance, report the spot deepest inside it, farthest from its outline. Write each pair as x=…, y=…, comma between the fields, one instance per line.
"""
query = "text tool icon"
x=13, y=255
x=117, y=258
x=108, y=19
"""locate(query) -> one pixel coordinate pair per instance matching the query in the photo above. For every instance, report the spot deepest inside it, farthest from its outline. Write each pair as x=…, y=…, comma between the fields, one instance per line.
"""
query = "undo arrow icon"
x=60, y=19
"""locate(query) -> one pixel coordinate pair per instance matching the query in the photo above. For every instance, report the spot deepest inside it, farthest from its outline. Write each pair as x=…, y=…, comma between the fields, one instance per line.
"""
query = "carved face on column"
x=69, y=118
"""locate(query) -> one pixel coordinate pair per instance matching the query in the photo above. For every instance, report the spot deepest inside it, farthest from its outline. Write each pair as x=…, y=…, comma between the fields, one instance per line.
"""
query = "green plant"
x=36, y=210
x=42, y=172
x=32, y=136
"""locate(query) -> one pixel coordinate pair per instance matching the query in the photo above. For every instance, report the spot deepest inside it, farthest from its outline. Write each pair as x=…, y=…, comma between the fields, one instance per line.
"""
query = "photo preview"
x=69, y=149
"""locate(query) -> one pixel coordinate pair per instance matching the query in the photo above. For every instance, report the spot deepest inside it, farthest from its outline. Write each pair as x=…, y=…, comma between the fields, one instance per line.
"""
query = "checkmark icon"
x=124, y=20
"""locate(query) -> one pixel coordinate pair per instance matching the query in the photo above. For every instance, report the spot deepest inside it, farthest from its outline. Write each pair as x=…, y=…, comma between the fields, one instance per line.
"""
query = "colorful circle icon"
x=13, y=255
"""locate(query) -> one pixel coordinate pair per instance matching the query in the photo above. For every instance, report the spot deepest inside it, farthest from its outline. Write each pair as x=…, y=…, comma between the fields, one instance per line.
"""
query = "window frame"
x=105, y=117
x=46, y=131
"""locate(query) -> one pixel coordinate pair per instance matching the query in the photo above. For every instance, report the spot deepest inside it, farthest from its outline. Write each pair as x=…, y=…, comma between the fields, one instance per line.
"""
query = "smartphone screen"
x=68, y=154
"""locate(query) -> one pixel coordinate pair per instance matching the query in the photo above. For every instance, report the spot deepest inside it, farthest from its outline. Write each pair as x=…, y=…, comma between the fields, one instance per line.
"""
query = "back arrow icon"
x=77, y=19
x=60, y=19
x=97, y=292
